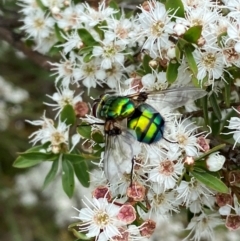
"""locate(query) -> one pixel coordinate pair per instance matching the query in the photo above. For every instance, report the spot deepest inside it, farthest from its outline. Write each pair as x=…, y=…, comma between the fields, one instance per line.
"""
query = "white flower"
x=121, y=30
x=109, y=52
x=215, y=162
x=191, y=191
x=210, y=64
x=184, y=133
x=234, y=124
x=28, y=6
x=202, y=227
x=57, y=136
x=69, y=17
x=161, y=203
x=66, y=69
x=72, y=41
x=155, y=81
x=92, y=17
x=166, y=172
x=89, y=73
x=64, y=97
x=43, y=45
x=99, y=219
x=233, y=32
x=156, y=26
x=38, y=25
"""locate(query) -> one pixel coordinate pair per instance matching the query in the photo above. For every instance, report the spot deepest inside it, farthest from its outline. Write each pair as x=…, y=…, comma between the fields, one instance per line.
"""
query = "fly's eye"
x=95, y=106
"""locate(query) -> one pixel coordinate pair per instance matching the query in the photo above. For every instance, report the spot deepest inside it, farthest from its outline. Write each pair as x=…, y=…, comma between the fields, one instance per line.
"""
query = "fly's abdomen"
x=147, y=124
x=115, y=107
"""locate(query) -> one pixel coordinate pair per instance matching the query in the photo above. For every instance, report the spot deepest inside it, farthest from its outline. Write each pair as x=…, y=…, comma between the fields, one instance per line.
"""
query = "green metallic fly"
x=129, y=120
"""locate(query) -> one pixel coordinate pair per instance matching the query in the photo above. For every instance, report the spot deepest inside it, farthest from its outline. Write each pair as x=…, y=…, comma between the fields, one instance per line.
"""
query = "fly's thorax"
x=113, y=107
x=146, y=123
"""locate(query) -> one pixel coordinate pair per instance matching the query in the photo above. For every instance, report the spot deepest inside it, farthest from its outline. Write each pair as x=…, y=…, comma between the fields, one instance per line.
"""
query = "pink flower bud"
x=127, y=213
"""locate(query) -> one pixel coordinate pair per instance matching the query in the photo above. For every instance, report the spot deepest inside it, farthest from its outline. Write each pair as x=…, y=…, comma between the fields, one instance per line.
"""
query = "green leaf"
x=68, y=115
x=82, y=173
x=215, y=106
x=43, y=156
x=204, y=102
x=190, y=59
x=146, y=60
x=178, y=53
x=29, y=159
x=67, y=177
x=215, y=125
x=59, y=33
x=86, y=37
x=41, y=5
x=78, y=158
x=115, y=6
x=84, y=130
x=193, y=34
x=22, y=162
x=210, y=181
x=87, y=58
x=51, y=174
x=227, y=92
x=85, y=50
x=98, y=137
x=176, y=6
x=172, y=71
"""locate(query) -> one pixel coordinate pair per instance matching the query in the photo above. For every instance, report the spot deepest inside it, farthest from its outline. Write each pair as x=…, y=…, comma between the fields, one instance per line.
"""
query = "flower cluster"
x=156, y=61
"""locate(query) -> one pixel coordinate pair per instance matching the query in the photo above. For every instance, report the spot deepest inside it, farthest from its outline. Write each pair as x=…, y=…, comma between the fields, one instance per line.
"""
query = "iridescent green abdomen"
x=147, y=124
x=114, y=107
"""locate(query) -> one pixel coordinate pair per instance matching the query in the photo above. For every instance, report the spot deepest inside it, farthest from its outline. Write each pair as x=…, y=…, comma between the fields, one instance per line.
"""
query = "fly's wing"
x=176, y=97
x=119, y=152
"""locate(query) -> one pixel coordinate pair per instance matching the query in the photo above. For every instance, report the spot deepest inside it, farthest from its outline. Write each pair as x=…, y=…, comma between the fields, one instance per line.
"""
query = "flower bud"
x=180, y=29
x=215, y=162
x=102, y=192
x=81, y=109
x=127, y=214
x=233, y=222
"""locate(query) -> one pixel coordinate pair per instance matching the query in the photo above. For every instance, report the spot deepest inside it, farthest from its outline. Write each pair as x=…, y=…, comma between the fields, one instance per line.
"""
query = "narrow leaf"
x=227, y=93
x=210, y=181
x=193, y=34
x=146, y=60
x=172, y=71
x=175, y=6
x=215, y=106
x=190, y=59
x=82, y=173
x=67, y=177
x=28, y=159
x=78, y=158
x=68, y=115
x=43, y=156
x=86, y=37
x=22, y=162
x=84, y=130
x=51, y=174
x=97, y=137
